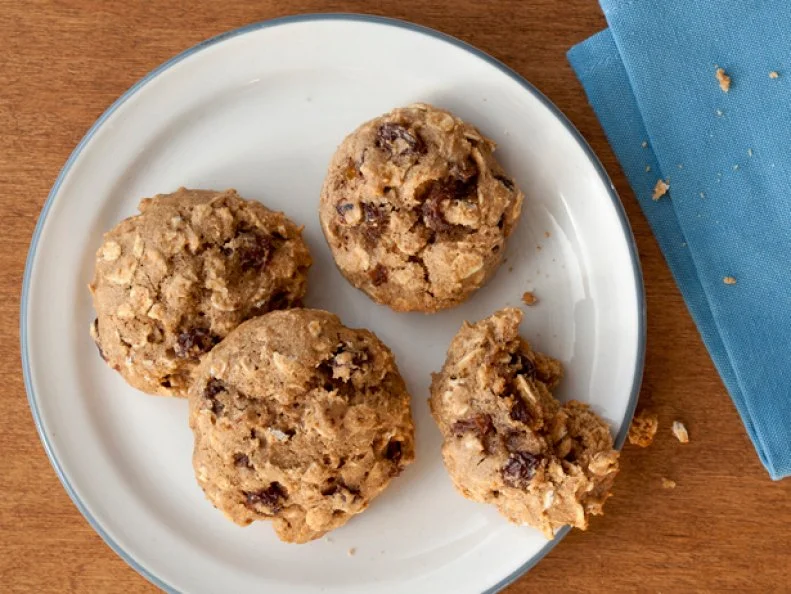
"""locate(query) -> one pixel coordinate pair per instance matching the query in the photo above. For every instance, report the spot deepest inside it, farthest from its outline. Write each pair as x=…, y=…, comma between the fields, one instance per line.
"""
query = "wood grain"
x=726, y=525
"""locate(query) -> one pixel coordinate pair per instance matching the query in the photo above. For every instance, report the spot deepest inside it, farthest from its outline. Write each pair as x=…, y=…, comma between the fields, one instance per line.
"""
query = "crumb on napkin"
x=660, y=189
x=644, y=144
x=723, y=79
x=668, y=483
x=749, y=152
x=647, y=168
x=680, y=431
x=774, y=74
x=643, y=429
x=529, y=299
x=729, y=280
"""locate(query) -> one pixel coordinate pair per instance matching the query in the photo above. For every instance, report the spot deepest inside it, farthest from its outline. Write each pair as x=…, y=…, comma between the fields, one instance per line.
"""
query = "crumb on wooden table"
x=729, y=280
x=680, y=431
x=774, y=74
x=643, y=429
x=723, y=79
x=660, y=189
x=668, y=483
x=529, y=299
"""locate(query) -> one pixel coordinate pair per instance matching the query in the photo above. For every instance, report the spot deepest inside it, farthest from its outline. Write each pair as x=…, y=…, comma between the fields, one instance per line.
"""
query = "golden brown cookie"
x=299, y=420
x=174, y=280
x=507, y=441
x=416, y=209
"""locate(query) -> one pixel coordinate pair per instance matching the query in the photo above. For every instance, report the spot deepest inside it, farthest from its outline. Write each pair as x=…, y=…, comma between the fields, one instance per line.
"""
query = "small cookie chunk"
x=643, y=429
x=174, y=280
x=416, y=209
x=299, y=420
x=507, y=441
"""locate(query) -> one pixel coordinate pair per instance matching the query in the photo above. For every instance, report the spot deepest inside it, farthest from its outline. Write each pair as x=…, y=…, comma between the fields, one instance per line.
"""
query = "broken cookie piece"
x=723, y=79
x=299, y=420
x=507, y=441
x=643, y=429
x=660, y=189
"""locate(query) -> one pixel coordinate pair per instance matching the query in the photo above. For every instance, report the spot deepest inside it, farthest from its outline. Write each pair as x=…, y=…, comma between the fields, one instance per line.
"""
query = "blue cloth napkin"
x=727, y=158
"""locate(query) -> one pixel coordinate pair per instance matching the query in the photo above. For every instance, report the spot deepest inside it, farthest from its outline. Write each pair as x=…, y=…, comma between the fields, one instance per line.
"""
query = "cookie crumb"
x=510, y=269
x=735, y=167
x=647, y=168
x=680, y=431
x=547, y=234
x=660, y=189
x=774, y=74
x=680, y=166
x=719, y=113
x=644, y=144
x=643, y=429
x=729, y=280
x=723, y=79
x=351, y=552
x=749, y=152
x=529, y=299
x=668, y=483
x=702, y=194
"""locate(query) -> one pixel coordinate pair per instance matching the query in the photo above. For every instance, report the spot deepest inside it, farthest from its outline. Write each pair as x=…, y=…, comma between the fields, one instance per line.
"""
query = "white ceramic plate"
x=262, y=109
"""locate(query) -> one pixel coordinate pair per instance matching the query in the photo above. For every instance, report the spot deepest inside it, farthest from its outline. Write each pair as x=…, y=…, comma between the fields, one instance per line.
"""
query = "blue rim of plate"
x=637, y=271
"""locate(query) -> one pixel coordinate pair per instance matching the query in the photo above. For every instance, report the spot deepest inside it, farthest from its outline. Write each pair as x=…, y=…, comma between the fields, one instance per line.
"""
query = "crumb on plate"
x=680, y=431
x=729, y=280
x=547, y=234
x=660, y=189
x=643, y=429
x=668, y=483
x=723, y=79
x=529, y=299
x=351, y=552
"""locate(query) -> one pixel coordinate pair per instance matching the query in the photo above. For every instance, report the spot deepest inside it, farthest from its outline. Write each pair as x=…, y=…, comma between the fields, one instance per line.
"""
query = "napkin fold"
x=724, y=225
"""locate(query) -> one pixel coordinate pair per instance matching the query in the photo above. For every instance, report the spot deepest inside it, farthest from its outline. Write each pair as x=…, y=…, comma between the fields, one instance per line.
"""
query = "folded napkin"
x=724, y=225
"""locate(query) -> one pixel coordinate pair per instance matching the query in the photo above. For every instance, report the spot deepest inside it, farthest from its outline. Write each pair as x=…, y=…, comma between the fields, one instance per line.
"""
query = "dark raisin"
x=480, y=423
x=241, y=461
x=519, y=469
x=270, y=497
x=464, y=171
x=393, y=451
x=226, y=251
x=254, y=250
x=213, y=387
x=343, y=208
x=191, y=344
x=389, y=133
x=519, y=411
x=431, y=210
x=507, y=182
x=378, y=275
x=374, y=222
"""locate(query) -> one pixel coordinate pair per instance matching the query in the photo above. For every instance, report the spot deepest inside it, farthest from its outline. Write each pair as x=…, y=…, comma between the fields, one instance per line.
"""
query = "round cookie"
x=174, y=280
x=299, y=420
x=507, y=441
x=416, y=209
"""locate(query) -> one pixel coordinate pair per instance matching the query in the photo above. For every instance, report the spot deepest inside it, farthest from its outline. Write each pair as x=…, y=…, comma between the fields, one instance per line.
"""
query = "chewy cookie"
x=174, y=280
x=416, y=209
x=507, y=441
x=299, y=420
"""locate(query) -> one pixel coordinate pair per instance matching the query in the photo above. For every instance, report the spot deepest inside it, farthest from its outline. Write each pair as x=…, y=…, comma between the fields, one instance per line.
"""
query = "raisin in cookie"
x=174, y=280
x=416, y=209
x=507, y=441
x=299, y=420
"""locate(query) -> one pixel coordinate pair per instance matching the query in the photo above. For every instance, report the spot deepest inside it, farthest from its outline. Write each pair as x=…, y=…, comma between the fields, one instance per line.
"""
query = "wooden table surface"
x=726, y=526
